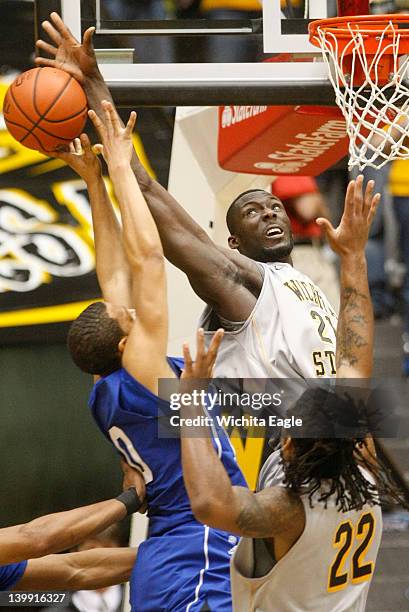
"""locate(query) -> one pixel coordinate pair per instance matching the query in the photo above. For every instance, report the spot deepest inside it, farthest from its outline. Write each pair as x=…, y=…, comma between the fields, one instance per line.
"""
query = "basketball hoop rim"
x=340, y=27
x=361, y=52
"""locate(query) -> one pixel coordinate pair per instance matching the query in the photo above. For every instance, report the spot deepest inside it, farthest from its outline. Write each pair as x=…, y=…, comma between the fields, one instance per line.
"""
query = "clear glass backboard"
x=193, y=52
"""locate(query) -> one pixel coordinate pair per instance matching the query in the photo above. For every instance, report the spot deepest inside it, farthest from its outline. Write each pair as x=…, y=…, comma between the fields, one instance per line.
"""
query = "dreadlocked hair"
x=325, y=466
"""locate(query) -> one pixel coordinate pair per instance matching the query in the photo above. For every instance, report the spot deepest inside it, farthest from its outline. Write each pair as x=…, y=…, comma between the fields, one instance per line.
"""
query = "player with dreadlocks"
x=312, y=531
x=321, y=453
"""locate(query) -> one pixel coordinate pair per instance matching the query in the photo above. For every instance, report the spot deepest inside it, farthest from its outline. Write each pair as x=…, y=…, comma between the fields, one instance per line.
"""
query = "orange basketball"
x=45, y=108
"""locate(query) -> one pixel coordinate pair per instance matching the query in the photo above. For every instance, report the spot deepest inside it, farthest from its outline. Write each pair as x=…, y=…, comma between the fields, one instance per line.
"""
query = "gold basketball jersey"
x=329, y=568
x=290, y=333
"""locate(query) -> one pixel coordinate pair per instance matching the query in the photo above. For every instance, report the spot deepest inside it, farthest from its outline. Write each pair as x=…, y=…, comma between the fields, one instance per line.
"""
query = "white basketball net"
x=370, y=107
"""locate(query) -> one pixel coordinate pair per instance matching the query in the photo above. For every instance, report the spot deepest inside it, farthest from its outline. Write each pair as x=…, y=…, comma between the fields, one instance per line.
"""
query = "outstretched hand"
x=81, y=158
x=117, y=145
x=202, y=368
x=351, y=235
x=68, y=54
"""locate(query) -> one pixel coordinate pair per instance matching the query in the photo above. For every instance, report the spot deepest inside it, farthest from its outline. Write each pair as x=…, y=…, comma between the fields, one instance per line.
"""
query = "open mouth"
x=274, y=232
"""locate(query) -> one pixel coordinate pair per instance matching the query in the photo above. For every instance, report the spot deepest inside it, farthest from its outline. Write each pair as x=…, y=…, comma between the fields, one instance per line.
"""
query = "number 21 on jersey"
x=324, y=358
x=345, y=570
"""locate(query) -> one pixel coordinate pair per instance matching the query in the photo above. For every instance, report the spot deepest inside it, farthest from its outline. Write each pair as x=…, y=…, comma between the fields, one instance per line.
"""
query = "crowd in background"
x=210, y=49
x=162, y=9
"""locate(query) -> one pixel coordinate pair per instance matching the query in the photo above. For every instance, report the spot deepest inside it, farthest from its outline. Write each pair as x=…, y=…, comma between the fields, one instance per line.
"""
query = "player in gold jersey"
x=312, y=531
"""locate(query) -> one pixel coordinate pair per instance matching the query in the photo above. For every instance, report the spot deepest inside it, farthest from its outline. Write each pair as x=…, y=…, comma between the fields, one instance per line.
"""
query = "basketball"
x=45, y=108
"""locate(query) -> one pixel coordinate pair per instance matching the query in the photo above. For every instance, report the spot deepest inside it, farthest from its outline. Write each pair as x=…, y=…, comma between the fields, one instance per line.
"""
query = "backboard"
x=251, y=57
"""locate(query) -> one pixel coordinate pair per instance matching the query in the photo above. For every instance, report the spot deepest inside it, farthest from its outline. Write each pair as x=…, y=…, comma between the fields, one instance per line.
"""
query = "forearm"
x=184, y=241
x=207, y=483
x=215, y=502
x=97, y=568
x=91, y=569
x=63, y=530
x=175, y=225
x=206, y=480
x=141, y=237
x=97, y=90
x=355, y=331
x=111, y=264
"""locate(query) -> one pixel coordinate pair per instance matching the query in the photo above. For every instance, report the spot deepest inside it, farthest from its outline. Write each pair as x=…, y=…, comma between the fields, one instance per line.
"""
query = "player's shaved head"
x=259, y=227
x=93, y=341
x=230, y=216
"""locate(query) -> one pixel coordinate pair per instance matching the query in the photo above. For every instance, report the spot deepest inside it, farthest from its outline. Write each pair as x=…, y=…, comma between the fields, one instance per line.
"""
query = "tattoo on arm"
x=351, y=323
x=254, y=520
x=269, y=512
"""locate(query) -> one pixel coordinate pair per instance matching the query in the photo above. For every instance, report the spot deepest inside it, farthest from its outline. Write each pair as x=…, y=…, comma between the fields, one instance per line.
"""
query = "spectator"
x=399, y=189
x=304, y=203
x=233, y=48
x=152, y=49
x=219, y=47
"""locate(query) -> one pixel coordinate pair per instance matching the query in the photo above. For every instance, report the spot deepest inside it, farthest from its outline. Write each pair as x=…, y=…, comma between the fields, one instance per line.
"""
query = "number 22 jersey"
x=329, y=568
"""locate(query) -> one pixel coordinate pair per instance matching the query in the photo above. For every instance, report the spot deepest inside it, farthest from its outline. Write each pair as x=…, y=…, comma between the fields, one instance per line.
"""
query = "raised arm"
x=274, y=511
x=214, y=500
x=219, y=276
x=145, y=351
x=90, y=569
x=112, y=268
x=355, y=332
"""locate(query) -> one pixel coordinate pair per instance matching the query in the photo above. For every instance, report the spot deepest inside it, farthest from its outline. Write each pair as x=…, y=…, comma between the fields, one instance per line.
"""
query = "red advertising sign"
x=277, y=140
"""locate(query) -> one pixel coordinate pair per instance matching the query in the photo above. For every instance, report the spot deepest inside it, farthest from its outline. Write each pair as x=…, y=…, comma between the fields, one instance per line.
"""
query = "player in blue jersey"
x=182, y=564
x=40, y=538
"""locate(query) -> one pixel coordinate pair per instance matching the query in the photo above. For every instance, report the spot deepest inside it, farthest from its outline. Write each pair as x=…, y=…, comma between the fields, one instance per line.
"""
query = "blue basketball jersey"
x=127, y=414
x=182, y=564
x=11, y=574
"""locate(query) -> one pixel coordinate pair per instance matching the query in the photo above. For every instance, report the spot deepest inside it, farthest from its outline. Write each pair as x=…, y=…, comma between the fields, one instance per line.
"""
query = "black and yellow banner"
x=47, y=263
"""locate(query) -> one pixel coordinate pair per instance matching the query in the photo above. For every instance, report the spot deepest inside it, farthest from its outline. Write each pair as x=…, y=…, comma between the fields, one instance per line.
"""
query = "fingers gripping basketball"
x=45, y=109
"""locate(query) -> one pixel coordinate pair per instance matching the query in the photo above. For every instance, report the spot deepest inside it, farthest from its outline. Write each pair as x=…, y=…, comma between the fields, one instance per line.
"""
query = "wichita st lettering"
x=307, y=292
